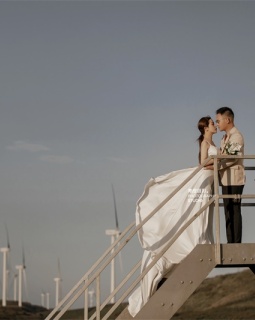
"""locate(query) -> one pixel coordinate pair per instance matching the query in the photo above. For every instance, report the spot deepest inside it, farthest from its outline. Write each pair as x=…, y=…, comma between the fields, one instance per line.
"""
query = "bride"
x=161, y=228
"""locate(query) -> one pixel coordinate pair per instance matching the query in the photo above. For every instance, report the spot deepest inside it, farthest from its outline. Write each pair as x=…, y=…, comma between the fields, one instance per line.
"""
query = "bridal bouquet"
x=232, y=148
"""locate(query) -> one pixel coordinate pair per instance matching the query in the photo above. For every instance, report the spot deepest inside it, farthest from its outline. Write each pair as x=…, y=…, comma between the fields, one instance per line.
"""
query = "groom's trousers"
x=232, y=208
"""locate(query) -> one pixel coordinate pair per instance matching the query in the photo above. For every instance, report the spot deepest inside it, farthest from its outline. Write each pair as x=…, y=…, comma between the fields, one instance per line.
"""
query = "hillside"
x=27, y=312
x=225, y=297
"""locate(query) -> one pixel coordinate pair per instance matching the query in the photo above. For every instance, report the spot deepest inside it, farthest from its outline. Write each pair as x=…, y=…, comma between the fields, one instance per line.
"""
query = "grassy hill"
x=26, y=312
x=225, y=297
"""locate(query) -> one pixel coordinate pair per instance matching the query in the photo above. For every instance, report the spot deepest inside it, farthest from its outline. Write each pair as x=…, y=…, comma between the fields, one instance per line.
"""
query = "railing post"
x=98, y=303
x=113, y=272
x=86, y=306
x=217, y=212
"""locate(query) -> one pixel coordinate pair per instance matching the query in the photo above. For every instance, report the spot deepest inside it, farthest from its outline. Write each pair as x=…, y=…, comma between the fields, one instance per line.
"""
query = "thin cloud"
x=118, y=160
x=57, y=159
x=31, y=147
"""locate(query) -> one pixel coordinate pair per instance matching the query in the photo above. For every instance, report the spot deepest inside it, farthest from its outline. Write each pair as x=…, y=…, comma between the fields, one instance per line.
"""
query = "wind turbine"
x=21, y=278
x=114, y=233
x=15, y=287
x=58, y=280
x=43, y=299
x=47, y=300
x=5, y=251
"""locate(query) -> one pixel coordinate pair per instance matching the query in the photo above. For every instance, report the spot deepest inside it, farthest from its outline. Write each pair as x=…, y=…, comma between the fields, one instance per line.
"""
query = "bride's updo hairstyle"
x=202, y=124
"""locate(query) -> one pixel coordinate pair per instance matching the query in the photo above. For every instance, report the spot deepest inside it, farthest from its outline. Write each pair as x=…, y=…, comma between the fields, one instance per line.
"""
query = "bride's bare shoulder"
x=205, y=144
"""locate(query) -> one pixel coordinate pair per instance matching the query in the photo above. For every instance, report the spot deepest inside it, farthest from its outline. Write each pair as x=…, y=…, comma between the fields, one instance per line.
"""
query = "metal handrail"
x=158, y=256
x=124, y=281
x=113, y=254
x=126, y=232
x=215, y=199
x=91, y=270
x=218, y=196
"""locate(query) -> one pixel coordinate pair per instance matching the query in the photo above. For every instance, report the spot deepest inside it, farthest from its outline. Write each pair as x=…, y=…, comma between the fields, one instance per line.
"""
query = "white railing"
x=94, y=273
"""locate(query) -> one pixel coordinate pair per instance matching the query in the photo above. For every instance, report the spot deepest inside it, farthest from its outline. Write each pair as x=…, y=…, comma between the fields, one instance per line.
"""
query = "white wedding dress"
x=160, y=229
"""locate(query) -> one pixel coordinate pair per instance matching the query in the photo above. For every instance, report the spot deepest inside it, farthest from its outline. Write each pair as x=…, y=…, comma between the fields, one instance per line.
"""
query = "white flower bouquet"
x=233, y=148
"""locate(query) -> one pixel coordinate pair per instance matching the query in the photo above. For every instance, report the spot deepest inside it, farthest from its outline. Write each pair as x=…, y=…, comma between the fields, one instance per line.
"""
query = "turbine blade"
x=59, y=271
x=23, y=258
x=8, y=264
x=120, y=256
x=25, y=284
x=60, y=282
x=60, y=290
x=115, y=210
x=7, y=236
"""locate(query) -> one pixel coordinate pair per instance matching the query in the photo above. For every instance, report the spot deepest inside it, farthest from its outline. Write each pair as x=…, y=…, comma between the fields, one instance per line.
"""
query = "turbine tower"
x=15, y=287
x=47, y=300
x=43, y=299
x=5, y=251
x=21, y=278
x=114, y=233
x=58, y=280
x=20, y=269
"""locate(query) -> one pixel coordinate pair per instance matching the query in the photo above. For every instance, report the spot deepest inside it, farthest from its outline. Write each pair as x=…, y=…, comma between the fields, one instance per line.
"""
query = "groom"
x=232, y=174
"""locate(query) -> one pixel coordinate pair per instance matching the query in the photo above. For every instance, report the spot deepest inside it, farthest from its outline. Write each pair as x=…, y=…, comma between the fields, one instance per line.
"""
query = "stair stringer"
x=181, y=282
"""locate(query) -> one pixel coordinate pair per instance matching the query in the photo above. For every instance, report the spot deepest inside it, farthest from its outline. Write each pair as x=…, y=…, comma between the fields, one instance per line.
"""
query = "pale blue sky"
x=94, y=93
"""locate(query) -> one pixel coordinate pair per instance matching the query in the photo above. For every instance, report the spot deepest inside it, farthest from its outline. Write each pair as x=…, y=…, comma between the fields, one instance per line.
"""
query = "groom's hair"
x=226, y=111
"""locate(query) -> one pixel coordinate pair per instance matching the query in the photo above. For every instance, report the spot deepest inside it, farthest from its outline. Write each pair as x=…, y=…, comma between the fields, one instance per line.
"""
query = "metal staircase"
x=186, y=277
x=181, y=281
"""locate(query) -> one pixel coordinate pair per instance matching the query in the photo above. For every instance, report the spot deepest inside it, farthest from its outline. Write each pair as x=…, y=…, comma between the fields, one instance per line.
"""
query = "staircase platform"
x=237, y=255
x=185, y=278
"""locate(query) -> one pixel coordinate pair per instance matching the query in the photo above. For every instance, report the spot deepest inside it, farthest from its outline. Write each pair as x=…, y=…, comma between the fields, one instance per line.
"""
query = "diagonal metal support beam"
x=182, y=281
